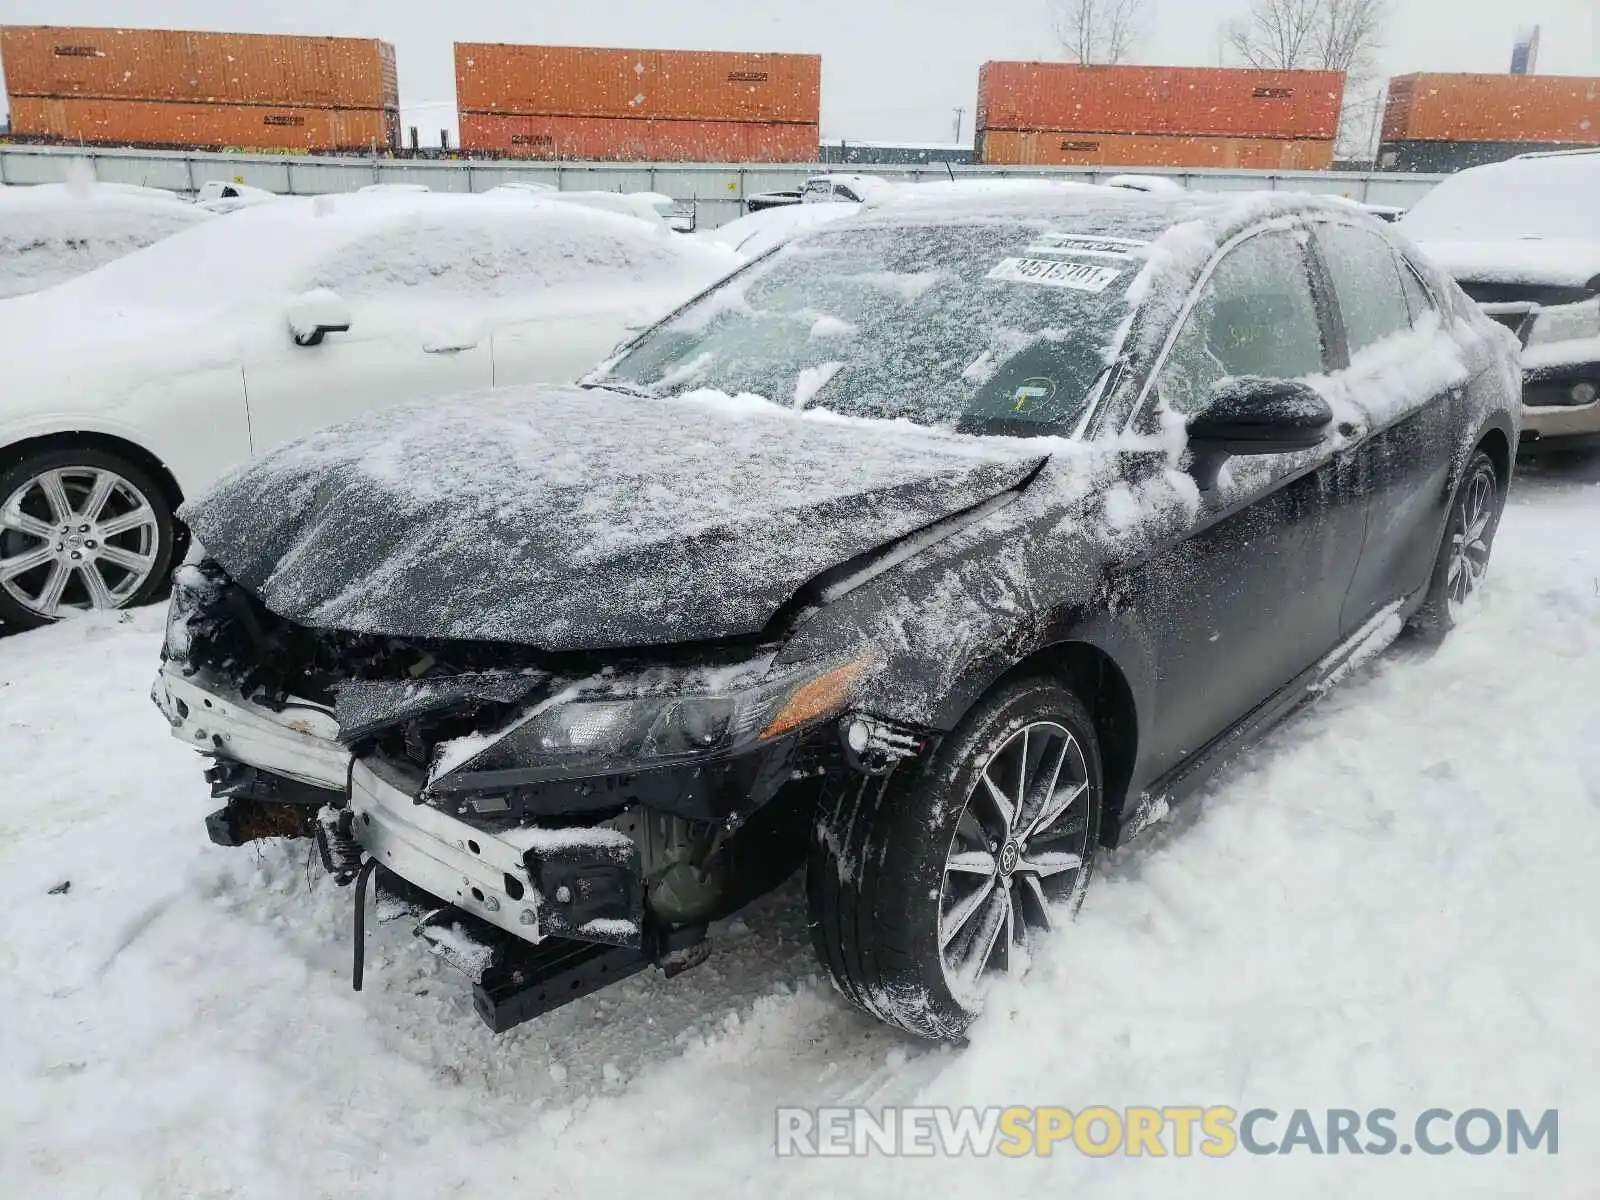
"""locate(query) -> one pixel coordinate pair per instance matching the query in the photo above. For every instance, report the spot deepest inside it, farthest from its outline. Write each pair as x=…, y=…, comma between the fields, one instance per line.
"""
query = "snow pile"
x=57, y=231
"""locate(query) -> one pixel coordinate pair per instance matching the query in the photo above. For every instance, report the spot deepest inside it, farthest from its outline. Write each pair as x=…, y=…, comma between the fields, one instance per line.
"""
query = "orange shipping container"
x=210, y=68
x=1210, y=101
x=1493, y=108
x=1011, y=148
x=582, y=81
x=614, y=139
x=200, y=126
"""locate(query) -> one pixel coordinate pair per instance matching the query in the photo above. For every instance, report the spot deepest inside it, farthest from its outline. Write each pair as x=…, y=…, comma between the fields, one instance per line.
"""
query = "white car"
x=56, y=231
x=847, y=189
x=137, y=385
x=1522, y=238
x=766, y=229
x=225, y=196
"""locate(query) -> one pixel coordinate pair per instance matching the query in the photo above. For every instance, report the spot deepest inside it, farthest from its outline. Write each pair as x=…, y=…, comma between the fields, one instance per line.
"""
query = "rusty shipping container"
x=1547, y=109
x=1203, y=101
x=584, y=81
x=1038, y=149
x=206, y=68
x=623, y=139
x=157, y=123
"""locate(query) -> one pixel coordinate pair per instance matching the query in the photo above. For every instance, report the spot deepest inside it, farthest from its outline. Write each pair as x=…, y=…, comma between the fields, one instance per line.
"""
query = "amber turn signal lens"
x=822, y=697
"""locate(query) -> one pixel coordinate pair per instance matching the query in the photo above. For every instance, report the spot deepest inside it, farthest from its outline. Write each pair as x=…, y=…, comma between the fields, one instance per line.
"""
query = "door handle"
x=448, y=347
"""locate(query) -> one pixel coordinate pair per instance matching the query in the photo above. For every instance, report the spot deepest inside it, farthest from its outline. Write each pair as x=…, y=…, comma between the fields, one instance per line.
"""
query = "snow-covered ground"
x=1393, y=903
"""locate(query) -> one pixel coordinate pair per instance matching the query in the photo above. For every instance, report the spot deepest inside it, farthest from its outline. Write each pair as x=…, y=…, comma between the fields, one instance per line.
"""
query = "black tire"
x=125, y=587
x=1435, y=619
x=876, y=878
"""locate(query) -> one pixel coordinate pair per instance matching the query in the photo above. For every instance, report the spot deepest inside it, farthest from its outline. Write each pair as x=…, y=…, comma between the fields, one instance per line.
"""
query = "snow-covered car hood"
x=574, y=519
x=1556, y=262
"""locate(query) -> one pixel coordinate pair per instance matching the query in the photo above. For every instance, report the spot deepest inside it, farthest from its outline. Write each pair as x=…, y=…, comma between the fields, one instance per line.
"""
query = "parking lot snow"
x=1391, y=903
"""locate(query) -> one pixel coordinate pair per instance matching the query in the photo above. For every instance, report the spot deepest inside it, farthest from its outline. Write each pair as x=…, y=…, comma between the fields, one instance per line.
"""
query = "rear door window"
x=1366, y=280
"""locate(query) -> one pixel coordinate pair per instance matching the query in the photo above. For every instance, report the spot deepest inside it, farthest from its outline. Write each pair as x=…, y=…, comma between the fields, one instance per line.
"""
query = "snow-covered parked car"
x=53, y=232
x=1522, y=237
x=137, y=385
x=226, y=196
x=943, y=546
x=843, y=188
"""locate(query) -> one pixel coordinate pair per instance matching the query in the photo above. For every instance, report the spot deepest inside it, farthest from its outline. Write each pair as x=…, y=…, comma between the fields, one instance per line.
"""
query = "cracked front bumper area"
x=531, y=883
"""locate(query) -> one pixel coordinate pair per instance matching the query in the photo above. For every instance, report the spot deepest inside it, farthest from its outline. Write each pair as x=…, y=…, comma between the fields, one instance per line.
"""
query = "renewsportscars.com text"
x=1170, y=1131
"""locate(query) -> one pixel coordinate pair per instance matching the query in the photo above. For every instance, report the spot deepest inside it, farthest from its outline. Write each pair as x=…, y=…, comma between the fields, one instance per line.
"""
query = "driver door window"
x=1255, y=316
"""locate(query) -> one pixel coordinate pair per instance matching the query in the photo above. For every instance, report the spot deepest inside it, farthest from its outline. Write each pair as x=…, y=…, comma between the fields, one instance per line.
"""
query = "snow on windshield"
x=996, y=326
x=1523, y=198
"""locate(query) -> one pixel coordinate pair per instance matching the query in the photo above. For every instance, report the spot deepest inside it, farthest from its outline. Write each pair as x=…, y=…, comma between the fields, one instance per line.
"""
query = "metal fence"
x=713, y=193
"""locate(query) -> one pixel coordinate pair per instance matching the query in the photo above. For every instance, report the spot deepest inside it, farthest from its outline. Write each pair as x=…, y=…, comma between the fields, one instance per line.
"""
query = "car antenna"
x=949, y=170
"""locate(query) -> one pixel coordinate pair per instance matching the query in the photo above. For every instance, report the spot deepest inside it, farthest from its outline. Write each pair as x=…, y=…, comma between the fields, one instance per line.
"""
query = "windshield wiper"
x=627, y=389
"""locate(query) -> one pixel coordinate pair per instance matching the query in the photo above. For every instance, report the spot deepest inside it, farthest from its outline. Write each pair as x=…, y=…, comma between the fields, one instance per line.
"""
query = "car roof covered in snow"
x=53, y=232
x=1141, y=214
x=267, y=249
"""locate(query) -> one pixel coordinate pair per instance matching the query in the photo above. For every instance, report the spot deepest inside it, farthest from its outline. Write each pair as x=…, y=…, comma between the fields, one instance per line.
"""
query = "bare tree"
x=1319, y=35
x=1322, y=35
x=1099, y=31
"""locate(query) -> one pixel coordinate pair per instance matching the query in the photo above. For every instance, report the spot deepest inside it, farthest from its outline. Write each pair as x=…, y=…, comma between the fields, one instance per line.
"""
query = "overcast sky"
x=892, y=69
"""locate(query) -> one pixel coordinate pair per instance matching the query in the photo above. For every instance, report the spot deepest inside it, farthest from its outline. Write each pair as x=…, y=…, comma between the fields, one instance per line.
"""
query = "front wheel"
x=80, y=529
x=1463, y=559
x=926, y=885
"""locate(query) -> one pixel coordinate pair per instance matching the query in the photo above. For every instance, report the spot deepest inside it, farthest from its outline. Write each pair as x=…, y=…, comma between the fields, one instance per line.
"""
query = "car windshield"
x=986, y=327
x=1524, y=198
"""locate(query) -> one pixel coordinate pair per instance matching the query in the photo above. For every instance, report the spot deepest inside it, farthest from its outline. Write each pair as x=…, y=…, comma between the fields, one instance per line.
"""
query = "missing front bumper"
x=531, y=883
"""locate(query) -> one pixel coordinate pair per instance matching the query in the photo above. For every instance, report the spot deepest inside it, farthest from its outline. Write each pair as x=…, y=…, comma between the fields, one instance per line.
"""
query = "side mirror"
x=1251, y=415
x=316, y=313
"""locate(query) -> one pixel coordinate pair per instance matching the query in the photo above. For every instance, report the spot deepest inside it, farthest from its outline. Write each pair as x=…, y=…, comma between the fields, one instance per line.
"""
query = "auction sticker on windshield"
x=1082, y=277
x=1084, y=245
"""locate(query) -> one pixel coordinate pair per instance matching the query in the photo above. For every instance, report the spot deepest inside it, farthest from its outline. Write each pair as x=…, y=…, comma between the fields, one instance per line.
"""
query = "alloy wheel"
x=74, y=539
x=1469, y=543
x=1018, y=850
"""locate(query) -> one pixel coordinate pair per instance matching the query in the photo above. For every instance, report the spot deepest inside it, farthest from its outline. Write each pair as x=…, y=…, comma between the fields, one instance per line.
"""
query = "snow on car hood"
x=1556, y=262
x=569, y=519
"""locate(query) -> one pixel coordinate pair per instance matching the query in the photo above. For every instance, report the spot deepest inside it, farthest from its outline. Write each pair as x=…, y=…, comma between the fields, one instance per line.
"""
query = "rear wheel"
x=1463, y=559
x=80, y=529
x=926, y=885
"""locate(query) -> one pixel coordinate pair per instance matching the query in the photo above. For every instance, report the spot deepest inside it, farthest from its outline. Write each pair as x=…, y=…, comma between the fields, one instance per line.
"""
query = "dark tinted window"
x=1254, y=316
x=1366, y=279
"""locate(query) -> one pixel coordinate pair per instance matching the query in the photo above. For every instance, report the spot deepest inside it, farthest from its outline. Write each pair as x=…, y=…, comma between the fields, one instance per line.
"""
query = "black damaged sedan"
x=937, y=550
